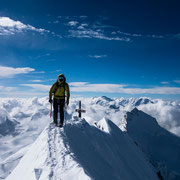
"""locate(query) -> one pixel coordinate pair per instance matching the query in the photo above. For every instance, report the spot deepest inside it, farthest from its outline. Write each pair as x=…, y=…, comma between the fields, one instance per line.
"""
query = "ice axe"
x=51, y=111
x=80, y=110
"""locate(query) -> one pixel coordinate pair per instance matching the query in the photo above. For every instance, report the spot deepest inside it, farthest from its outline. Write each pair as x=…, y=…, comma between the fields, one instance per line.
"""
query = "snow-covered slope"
x=22, y=120
x=80, y=151
x=161, y=146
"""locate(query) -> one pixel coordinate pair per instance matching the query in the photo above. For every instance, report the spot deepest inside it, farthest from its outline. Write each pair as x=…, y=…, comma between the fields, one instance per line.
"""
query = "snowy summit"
x=80, y=151
x=115, y=139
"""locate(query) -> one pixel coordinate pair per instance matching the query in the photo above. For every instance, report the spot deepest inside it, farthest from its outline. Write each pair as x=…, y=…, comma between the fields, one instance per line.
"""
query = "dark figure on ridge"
x=59, y=89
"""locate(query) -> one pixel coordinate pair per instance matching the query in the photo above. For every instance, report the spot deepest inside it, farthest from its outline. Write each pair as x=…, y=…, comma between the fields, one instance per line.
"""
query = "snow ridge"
x=80, y=151
x=23, y=119
x=60, y=158
x=50, y=156
x=161, y=146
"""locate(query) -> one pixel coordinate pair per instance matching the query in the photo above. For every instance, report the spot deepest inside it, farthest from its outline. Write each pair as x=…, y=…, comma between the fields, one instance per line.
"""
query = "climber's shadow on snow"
x=105, y=152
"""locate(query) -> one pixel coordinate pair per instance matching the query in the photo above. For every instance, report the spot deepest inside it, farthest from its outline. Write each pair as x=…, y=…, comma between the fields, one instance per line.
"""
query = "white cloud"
x=97, y=30
x=9, y=72
x=177, y=35
x=90, y=33
x=83, y=17
x=56, y=22
x=167, y=114
x=80, y=87
x=72, y=23
x=82, y=26
x=7, y=89
x=38, y=72
x=138, y=35
x=36, y=80
x=164, y=82
x=39, y=87
x=22, y=94
x=7, y=22
x=86, y=87
x=44, y=80
x=97, y=56
x=177, y=81
x=127, y=34
x=120, y=88
x=42, y=55
x=155, y=36
x=9, y=27
x=58, y=70
x=78, y=83
x=109, y=88
x=156, y=90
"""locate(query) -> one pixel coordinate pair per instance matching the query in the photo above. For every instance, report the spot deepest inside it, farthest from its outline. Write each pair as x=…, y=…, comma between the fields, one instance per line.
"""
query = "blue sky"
x=113, y=48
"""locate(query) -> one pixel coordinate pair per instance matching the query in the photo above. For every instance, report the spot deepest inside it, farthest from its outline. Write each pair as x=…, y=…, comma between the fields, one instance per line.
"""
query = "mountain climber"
x=58, y=89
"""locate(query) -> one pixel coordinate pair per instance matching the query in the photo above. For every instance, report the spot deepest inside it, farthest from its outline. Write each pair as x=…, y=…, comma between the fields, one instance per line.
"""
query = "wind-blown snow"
x=80, y=151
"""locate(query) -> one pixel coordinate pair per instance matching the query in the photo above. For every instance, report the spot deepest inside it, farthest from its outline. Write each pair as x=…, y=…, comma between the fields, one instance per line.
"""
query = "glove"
x=67, y=102
x=50, y=100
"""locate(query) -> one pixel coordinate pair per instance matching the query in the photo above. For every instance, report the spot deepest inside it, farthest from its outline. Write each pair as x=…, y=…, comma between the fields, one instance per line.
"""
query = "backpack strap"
x=58, y=86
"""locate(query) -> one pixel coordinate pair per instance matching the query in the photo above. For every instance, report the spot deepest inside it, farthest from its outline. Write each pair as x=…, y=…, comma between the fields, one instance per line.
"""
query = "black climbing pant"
x=58, y=105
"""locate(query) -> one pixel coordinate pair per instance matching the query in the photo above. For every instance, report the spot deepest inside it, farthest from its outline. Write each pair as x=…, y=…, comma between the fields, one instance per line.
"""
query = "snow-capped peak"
x=161, y=146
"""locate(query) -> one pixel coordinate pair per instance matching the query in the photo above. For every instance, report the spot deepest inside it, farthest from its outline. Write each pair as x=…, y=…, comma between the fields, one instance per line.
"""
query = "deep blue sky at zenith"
x=114, y=48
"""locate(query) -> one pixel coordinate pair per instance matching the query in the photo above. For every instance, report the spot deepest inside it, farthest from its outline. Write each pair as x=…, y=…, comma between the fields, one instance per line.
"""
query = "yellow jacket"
x=58, y=89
